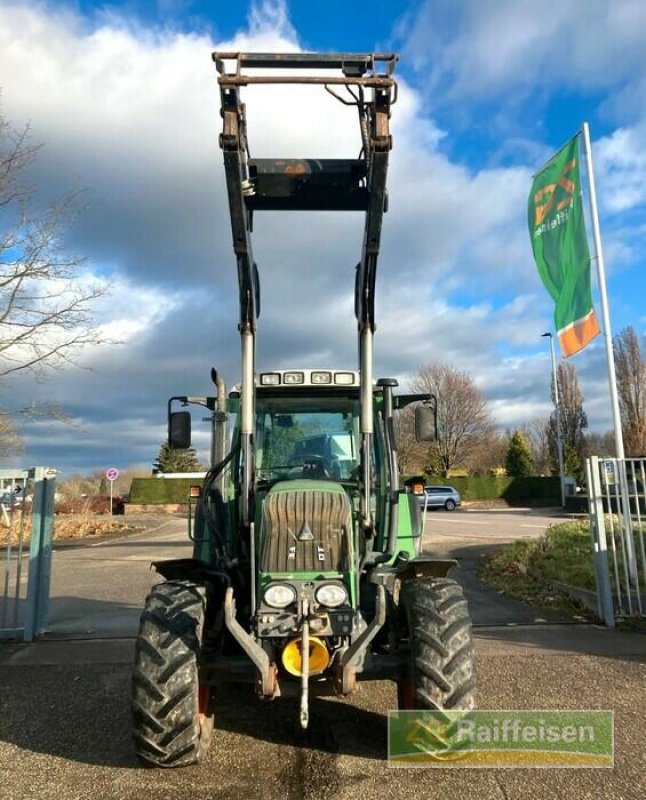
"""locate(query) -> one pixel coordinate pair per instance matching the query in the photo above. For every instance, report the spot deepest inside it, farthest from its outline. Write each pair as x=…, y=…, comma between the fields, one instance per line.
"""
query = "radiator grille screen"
x=306, y=531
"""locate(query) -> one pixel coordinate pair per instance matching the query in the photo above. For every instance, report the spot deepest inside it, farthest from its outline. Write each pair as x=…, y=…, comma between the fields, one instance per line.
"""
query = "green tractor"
x=307, y=573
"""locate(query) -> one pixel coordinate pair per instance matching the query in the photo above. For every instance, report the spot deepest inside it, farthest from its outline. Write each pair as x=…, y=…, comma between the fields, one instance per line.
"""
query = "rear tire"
x=171, y=711
x=440, y=673
x=450, y=505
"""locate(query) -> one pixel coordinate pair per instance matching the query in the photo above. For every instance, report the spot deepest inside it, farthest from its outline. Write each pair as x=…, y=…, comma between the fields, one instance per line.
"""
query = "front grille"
x=294, y=513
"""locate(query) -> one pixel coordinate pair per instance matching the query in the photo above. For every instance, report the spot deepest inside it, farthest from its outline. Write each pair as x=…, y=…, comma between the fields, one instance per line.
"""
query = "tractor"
x=307, y=575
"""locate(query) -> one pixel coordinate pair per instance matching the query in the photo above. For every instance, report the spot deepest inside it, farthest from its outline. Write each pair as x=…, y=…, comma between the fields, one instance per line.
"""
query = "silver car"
x=440, y=497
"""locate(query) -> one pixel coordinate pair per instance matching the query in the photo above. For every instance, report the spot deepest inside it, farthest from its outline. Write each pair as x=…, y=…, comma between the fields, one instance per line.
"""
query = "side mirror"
x=426, y=423
x=179, y=430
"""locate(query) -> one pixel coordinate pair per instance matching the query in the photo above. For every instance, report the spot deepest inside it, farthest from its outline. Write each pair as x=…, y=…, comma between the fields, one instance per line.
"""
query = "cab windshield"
x=307, y=437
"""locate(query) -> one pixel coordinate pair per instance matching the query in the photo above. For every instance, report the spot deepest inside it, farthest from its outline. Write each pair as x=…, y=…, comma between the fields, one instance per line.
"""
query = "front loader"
x=307, y=575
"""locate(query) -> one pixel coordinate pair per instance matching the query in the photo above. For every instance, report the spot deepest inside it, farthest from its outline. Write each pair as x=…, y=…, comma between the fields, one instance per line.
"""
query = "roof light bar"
x=321, y=377
x=291, y=378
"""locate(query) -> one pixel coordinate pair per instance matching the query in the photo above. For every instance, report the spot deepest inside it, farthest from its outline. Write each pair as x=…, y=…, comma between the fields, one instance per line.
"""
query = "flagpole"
x=557, y=413
x=601, y=280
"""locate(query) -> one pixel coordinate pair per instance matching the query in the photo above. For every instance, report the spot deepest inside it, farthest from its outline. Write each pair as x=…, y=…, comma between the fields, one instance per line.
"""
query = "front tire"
x=172, y=717
x=440, y=673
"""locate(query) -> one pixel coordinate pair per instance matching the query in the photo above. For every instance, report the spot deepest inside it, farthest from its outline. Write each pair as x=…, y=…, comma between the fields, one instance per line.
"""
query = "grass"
x=525, y=569
x=564, y=553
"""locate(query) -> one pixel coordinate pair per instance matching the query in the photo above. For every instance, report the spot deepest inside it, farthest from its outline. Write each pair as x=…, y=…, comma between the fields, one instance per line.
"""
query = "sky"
x=124, y=97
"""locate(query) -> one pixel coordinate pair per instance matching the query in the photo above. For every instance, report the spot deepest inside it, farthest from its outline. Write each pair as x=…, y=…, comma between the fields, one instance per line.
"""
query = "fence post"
x=40, y=552
x=598, y=526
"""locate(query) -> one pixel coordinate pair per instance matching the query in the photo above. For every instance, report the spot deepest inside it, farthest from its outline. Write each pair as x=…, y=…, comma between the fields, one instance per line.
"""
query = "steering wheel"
x=314, y=467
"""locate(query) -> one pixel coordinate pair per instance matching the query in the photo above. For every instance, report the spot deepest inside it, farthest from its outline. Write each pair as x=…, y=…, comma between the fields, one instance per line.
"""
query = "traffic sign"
x=112, y=474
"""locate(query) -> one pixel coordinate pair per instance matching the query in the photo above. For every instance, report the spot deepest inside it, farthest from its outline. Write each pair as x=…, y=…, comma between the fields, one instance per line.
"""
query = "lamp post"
x=557, y=408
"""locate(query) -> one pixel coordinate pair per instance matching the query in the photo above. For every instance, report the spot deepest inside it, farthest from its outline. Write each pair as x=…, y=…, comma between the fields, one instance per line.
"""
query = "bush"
x=84, y=505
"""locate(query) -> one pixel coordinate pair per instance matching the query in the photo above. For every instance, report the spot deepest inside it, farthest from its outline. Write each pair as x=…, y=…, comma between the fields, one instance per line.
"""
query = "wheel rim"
x=450, y=505
x=405, y=695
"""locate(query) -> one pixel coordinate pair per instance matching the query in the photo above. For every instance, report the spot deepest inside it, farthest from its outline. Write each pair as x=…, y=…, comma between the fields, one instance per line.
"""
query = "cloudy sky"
x=124, y=96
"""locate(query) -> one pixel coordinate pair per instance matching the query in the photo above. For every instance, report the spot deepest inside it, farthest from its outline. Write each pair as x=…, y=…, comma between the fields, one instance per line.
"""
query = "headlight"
x=279, y=595
x=331, y=595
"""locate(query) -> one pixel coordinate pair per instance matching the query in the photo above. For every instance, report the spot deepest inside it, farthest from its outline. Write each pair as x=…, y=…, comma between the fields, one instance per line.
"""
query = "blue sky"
x=124, y=97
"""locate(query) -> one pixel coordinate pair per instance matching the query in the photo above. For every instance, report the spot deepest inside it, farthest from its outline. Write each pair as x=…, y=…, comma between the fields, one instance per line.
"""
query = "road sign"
x=112, y=474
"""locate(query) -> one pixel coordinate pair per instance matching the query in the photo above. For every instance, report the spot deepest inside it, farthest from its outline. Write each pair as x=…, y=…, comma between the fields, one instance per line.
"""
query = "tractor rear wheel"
x=172, y=716
x=440, y=673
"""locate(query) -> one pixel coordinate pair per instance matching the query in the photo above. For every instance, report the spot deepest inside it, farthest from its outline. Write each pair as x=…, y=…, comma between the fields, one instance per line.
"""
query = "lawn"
x=525, y=569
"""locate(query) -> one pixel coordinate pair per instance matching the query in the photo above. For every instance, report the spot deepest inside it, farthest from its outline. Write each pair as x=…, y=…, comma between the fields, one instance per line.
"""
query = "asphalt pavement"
x=64, y=701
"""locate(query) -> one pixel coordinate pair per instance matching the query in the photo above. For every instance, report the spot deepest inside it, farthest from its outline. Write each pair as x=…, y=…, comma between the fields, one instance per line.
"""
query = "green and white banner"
x=560, y=245
x=501, y=738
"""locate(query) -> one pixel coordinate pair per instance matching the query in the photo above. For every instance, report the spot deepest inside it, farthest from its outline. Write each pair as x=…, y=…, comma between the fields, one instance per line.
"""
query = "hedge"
x=161, y=490
x=516, y=491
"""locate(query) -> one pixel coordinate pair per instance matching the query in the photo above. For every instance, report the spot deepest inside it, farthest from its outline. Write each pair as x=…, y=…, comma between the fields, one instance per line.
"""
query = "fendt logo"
x=545, y=199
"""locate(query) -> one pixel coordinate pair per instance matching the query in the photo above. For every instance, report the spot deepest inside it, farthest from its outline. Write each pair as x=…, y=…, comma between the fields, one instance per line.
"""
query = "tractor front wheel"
x=440, y=673
x=172, y=716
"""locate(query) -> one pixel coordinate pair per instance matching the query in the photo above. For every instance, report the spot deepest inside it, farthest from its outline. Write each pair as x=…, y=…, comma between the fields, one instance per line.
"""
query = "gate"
x=617, y=493
x=26, y=526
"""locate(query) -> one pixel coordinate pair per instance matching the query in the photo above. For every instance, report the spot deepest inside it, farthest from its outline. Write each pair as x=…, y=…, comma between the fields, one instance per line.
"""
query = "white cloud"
x=477, y=47
x=131, y=114
x=620, y=160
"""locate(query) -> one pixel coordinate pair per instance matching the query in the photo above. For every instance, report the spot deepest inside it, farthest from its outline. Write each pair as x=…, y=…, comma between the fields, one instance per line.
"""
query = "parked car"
x=440, y=497
x=14, y=497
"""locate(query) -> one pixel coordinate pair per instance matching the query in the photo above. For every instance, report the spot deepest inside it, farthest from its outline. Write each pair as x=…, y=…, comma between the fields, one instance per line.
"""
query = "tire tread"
x=441, y=667
x=165, y=682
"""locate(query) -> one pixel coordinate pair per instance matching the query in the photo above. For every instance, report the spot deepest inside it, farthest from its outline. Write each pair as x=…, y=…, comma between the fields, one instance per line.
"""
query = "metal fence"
x=617, y=492
x=26, y=527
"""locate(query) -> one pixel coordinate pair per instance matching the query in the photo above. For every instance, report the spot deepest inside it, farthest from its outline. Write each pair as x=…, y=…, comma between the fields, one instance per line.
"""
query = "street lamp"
x=557, y=407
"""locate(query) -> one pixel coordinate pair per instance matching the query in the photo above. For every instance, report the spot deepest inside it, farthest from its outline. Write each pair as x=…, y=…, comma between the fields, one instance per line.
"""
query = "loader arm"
x=357, y=184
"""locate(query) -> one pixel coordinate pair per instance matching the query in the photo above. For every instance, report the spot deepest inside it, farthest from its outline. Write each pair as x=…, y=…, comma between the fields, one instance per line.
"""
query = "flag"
x=560, y=245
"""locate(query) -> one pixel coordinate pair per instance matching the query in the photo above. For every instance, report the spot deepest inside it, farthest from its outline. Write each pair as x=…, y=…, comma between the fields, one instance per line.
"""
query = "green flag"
x=560, y=245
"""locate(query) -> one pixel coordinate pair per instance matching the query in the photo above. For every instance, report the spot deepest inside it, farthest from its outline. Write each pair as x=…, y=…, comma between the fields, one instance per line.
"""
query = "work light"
x=279, y=595
x=331, y=595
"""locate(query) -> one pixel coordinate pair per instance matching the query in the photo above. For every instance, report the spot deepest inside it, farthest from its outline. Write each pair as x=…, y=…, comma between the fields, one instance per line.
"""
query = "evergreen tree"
x=177, y=460
x=519, y=462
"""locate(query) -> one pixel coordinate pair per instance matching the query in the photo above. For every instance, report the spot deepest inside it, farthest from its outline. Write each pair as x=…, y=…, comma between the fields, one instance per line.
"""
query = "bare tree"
x=537, y=434
x=599, y=444
x=489, y=456
x=94, y=483
x=11, y=443
x=410, y=452
x=462, y=415
x=573, y=422
x=45, y=308
x=631, y=388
